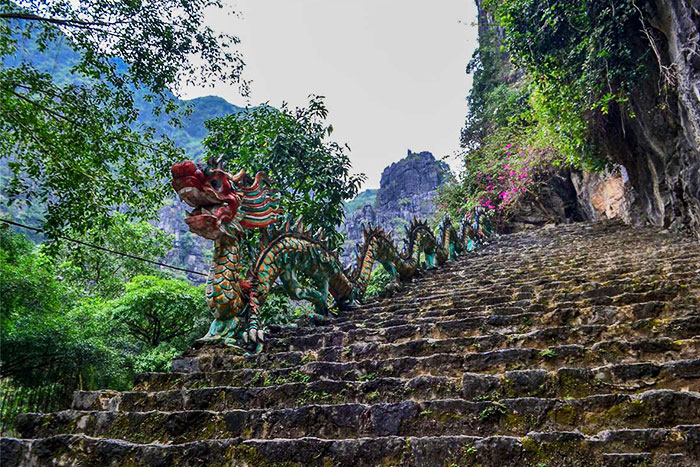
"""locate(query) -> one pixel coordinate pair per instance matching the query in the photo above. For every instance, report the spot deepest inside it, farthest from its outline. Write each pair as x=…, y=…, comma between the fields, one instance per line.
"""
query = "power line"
x=92, y=245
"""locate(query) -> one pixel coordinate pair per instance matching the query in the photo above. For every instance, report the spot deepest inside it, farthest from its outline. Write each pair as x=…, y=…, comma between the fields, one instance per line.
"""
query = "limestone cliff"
x=660, y=147
x=407, y=189
x=654, y=149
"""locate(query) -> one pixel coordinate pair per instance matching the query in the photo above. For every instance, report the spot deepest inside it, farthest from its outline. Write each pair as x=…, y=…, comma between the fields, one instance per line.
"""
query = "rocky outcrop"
x=189, y=251
x=660, y=147
x=603, y=195
x=654, y=148
x=407, y=189
x=559, y=347
x=566, y=195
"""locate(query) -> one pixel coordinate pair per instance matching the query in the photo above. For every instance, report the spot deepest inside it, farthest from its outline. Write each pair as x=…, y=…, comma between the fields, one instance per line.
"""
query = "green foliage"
x=379, y=279
x=312, y=174
x=157, y=359
x=279, y=310
x=51, y=329
x=43, y=325
x=154, y=310
x=583, y=56
x=491, y=88
x=102, y=273
x=72, y=136
x=571, y=64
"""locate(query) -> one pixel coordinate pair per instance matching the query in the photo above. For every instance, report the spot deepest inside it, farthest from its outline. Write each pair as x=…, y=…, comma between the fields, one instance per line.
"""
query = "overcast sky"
x=392, y=71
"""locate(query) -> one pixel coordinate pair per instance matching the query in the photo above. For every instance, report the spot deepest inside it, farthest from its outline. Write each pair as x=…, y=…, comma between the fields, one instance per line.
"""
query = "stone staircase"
x=569, y=346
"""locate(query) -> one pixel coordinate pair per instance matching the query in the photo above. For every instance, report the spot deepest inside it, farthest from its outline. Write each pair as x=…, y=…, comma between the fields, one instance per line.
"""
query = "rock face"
x=189, y=251
x=656, y=152
x=660, y=147
x=407, y=189
x=567, y=195
x=603, y=195
x=559, y=347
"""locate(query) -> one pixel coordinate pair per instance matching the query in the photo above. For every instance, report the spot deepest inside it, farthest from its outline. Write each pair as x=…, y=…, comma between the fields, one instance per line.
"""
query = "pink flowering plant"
x=495, y=182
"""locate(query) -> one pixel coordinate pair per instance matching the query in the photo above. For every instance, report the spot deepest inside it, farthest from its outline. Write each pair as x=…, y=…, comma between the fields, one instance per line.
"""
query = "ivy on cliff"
x=547, y=76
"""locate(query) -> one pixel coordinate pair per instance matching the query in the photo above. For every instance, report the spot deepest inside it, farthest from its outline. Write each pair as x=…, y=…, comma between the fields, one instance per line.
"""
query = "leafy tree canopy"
x=75, y=145
x=154, y=310
x=51, y=330
x=103, y=274
x=291, y=146
x=37, y=327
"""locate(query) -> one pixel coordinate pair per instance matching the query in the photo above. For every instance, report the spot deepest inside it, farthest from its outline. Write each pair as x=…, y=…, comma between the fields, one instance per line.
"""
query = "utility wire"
x=91, y=245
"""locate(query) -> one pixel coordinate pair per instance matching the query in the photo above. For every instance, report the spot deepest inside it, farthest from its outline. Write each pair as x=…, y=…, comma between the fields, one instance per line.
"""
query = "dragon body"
x=228, y=206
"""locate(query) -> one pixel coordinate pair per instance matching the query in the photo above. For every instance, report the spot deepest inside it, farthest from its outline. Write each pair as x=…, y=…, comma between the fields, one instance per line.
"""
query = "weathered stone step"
x=563, y=312
x=443, y=364
x=463, y=291
x=630, y=339
x=581, y=382
x=276, y=396
x=315, y=338
x=564, y=382
x=652, y=409
x=525, y=284
x=674, y=447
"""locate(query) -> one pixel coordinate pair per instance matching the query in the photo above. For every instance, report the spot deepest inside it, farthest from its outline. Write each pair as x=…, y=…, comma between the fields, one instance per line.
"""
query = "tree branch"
x=59, y=21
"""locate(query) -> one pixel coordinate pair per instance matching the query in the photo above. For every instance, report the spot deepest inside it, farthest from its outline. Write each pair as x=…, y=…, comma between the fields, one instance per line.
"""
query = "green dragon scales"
x=227, y=205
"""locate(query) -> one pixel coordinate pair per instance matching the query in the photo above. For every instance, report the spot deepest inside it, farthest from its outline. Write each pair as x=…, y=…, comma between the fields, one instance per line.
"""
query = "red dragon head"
x=223, y=205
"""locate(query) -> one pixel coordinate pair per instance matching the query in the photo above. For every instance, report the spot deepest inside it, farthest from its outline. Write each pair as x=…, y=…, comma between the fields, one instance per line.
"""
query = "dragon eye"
x=215, y=183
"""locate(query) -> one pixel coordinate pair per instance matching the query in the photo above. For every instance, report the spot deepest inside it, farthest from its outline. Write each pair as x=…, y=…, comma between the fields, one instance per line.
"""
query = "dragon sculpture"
x=228, y=206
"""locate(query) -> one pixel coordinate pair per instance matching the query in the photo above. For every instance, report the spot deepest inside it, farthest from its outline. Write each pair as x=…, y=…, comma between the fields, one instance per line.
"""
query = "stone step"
x=514, y=417
x=276, y=396
x=564, y=382
x=466, y=291
x=443, y=364
x=315, y=338
x=682, y=375
x=633, y=294
x=674, y=447
x=607, y=338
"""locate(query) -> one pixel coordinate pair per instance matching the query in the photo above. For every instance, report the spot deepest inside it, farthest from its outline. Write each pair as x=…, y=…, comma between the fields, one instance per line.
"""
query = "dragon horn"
x=238, y=177
x=215, y=162
x=298, y=224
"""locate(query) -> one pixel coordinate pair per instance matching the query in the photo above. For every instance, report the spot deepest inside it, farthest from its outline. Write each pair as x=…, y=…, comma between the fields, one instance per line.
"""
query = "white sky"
x=392, y=71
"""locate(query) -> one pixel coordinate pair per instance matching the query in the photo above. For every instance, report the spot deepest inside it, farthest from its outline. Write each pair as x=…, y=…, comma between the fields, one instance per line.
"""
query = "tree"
x=155, y=310
x=41, y=330
x=103, y=274
x=311, y=173
x=73, y=139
